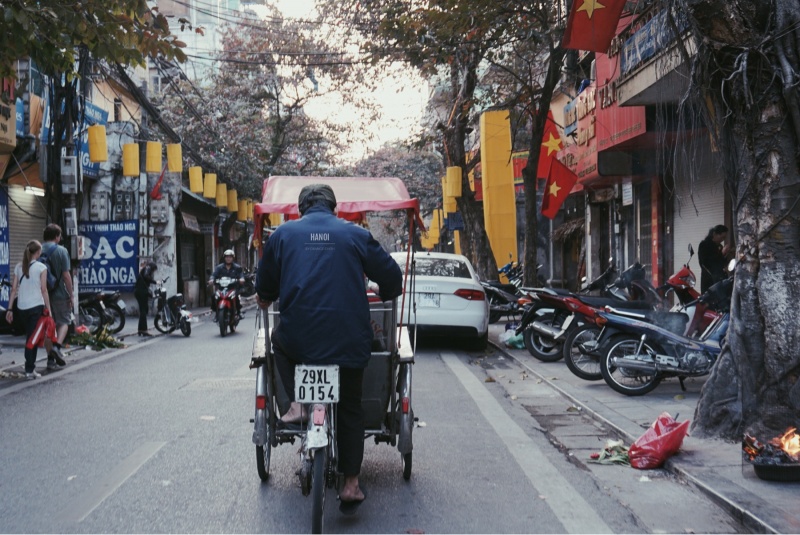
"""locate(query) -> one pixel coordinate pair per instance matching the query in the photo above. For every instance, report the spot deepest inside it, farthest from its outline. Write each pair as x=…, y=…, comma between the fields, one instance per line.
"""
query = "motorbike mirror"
x=691, y=250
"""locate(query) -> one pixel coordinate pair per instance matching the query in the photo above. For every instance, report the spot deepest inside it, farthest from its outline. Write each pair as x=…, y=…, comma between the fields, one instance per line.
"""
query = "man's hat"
x=314, y=194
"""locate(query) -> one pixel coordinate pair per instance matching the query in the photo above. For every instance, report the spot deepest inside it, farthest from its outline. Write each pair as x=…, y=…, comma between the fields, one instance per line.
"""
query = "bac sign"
x=109, y=260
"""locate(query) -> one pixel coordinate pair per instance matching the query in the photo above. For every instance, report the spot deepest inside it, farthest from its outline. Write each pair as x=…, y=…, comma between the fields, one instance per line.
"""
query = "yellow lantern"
x=222, y=195
x=98, y=148
x=153, y=159
x=174, y=158
x=233, y=201
x=210, y=186
x=241, y=212
x=195, y=179
x=130, y=159
x=454, y=181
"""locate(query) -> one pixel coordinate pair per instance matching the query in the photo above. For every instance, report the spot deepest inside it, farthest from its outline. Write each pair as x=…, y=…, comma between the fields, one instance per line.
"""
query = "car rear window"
x=442, y=267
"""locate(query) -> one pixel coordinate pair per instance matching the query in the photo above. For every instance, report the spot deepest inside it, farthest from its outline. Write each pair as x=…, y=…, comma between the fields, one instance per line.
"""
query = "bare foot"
x=351, y=492
x=295, y=414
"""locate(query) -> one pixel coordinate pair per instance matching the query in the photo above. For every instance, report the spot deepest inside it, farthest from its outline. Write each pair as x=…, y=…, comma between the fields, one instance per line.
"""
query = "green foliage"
x=49, y=31
x=98, y=342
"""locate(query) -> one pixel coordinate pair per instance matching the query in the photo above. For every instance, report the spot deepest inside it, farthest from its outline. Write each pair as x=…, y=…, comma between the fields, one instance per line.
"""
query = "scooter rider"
x=231, y=269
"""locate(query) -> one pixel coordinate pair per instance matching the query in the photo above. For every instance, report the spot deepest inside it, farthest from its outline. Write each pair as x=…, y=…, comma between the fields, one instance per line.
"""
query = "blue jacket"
x=316, y=266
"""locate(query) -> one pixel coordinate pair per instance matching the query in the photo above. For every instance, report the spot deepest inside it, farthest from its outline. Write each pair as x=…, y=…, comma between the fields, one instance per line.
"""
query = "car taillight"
x=471, y=295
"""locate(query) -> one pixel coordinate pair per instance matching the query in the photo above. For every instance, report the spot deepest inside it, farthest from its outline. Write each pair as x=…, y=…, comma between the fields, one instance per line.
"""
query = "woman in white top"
x=30, y=290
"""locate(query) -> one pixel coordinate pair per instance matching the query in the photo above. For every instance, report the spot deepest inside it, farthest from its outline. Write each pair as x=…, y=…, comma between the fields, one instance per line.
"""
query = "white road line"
x=82, y=506
x=571, y=509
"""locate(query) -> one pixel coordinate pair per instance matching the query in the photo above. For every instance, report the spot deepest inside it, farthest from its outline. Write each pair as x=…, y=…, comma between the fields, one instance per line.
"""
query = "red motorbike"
x=225, y=295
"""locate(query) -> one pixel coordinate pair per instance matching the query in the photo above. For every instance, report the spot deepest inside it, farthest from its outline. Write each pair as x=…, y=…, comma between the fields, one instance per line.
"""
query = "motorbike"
x=249, y=286
x=15, y=328
x=171, y=313
x=580, y=343
x=545, y=324
x=102, y=309
x=226, y=289
x=636, y=355
x=503, y=302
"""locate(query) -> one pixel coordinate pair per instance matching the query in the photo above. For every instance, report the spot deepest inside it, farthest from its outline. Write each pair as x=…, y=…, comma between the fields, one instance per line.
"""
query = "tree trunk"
x=474, y=240
x=529, y=177
x=754, y=386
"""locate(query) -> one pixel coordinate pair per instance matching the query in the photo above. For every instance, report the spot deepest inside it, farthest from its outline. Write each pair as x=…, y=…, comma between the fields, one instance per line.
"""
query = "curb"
x=748, y=519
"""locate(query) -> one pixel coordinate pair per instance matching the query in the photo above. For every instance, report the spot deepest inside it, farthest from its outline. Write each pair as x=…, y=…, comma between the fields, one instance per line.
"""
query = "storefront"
x=194, y=238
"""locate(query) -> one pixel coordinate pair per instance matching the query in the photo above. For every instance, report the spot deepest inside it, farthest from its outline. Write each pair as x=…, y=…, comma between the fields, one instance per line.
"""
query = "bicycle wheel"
x=318, y=489
x=263, y=456
x=407, y=465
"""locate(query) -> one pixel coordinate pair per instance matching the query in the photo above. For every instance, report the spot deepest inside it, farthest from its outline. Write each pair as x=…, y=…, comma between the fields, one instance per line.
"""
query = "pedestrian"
x=316, y=266
x=29, y=288
x=142, y=291
x=713, y=254
x=61, y=297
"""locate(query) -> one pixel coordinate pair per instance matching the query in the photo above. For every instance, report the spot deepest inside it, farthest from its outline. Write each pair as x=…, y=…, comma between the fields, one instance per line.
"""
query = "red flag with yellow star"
x=592, y=24
x=559, y=184
x=551, y=144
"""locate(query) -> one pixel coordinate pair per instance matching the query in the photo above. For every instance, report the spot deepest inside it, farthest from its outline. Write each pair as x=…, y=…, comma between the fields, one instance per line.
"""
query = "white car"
x=448, y=299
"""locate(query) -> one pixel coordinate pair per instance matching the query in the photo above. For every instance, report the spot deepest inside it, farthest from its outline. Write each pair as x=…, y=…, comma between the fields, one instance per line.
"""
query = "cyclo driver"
x=316, y=266
x=230, y=269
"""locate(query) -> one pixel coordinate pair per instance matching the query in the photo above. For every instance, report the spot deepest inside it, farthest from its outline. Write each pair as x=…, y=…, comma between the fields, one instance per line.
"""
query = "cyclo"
x=387, y=393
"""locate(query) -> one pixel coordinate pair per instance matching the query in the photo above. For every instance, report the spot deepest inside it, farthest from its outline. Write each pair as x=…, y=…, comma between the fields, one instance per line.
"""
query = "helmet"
x=229, y=252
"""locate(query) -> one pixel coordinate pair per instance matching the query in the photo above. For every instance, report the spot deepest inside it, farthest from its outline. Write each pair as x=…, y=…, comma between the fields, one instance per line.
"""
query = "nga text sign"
x=109, y=259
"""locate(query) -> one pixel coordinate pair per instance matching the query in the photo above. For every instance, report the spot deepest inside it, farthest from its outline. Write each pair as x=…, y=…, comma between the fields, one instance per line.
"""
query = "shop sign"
x=649, y=39
x=92, y=115
x=109, y=260
x=5, y=256
x=581, y=158
x=615, y=124
x=20, y=118
x=8, y=127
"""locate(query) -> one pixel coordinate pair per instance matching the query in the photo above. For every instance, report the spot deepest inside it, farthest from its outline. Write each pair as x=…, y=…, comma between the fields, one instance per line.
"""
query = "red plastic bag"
x=660, y=442
x=45, y=328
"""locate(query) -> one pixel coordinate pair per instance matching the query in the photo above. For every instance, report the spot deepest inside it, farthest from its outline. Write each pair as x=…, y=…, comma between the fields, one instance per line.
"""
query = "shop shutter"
x=27, y=218
x=698, y=207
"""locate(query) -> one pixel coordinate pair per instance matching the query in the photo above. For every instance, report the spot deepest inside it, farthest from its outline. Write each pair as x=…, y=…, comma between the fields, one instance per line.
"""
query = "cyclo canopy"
x=355, y=196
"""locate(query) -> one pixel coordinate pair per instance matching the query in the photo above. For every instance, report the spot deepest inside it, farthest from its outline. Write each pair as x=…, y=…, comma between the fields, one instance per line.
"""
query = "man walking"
x=61, y=296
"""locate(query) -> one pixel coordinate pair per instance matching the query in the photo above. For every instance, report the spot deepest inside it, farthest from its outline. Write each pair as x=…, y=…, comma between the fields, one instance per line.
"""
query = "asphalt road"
x=157, y=439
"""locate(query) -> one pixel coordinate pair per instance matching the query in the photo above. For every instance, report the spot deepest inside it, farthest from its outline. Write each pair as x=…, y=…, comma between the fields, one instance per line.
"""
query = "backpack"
x=52, y=279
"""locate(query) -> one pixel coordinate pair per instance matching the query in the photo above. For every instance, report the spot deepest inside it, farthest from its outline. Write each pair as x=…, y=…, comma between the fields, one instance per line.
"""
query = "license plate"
x=121, y=304
x=316, y=384
x=429, y=300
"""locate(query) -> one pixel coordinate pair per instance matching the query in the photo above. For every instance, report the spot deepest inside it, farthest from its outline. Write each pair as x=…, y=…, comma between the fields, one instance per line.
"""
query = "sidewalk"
x=714, y=467
x=12, y=348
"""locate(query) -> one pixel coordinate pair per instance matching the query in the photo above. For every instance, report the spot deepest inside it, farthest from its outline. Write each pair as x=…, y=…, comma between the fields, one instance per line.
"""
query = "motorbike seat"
x=553, y=291
x=672, y=321
x=600, y=302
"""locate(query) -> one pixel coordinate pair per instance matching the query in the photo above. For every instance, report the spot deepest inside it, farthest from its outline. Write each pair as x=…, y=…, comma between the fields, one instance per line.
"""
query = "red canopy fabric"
x=354, y=196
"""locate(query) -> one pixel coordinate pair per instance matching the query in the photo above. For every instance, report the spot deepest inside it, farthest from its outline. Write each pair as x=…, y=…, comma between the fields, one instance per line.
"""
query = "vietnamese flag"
x=156, y=193
x=559, y=185
x=551, y=144
x=592, y=24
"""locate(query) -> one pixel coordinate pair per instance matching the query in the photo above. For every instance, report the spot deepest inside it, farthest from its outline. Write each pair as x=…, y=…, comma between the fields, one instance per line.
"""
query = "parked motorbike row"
x=628, y=335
